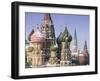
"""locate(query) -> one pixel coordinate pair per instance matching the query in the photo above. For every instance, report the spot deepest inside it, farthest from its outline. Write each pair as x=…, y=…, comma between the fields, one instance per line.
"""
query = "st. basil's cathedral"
x=44, y=49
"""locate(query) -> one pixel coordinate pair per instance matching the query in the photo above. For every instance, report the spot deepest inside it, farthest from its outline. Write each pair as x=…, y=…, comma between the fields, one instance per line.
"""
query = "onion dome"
x=37, y=37
x=53, y=48
x=59, y=38
x=66, y=36
x=29, y=37
x=69, y=38
x=30, y=49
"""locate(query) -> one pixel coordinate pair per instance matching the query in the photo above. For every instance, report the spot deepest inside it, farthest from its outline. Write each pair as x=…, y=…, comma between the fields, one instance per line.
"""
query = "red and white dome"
x=37, y=37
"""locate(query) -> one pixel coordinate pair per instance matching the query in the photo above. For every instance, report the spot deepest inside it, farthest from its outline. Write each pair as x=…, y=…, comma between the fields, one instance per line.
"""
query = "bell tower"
x=86, y=53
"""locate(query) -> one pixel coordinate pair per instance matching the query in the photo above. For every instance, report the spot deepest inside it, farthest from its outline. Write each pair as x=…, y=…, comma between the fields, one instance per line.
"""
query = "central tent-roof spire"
x=47, y=17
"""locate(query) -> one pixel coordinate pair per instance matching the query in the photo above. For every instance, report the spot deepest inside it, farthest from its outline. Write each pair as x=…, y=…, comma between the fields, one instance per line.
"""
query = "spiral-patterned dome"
x=59, y=39
x=64, y=36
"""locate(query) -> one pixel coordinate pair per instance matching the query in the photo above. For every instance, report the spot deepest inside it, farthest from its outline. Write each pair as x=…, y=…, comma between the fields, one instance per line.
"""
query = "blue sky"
x=60, y=21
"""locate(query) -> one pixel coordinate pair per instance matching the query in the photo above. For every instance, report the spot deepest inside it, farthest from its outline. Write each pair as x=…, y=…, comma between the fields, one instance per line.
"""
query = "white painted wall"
x=5, y=40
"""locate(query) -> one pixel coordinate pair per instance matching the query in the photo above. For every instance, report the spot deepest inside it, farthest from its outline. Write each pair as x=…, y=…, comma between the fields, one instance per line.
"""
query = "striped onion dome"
x=37, y=37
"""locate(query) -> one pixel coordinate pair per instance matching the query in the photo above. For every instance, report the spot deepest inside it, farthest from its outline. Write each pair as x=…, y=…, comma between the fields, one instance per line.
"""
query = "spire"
x=75, y=36
x=86, y=53
x=85, y=45
x=74, y=45
x=47, y=17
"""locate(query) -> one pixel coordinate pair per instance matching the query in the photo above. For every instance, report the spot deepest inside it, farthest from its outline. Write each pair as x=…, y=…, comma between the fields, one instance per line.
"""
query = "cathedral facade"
x=44, y=49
